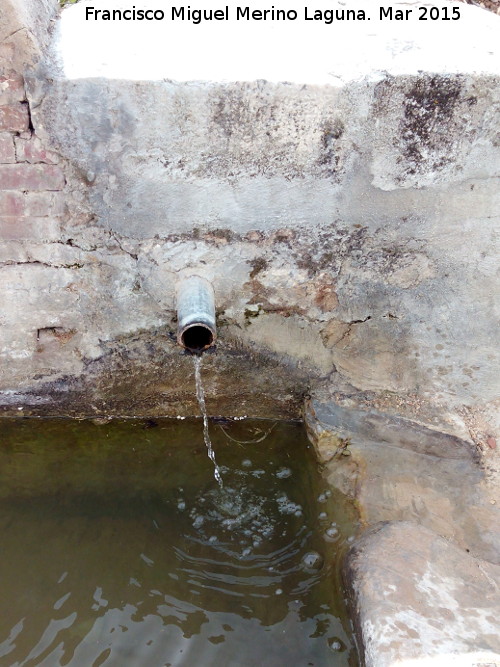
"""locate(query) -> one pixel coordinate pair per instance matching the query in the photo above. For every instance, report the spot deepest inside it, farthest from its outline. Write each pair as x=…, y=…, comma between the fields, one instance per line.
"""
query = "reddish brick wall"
x=31, y=181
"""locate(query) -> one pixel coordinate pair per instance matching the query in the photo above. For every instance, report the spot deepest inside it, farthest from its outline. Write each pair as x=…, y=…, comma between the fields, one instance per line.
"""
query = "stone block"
x=39, y=204
x=7, y=152
x=399, y=470
x=12, y=203
x=417, y=599
x=25, y=29
x=32, y=150
x=11, y=88
x=14, y=118
x=29, y=228
x=31, y=204
x=58, y=203
x=31, y=177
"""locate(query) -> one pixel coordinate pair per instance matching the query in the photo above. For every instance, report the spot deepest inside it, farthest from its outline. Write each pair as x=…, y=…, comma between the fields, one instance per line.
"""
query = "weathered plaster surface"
x=266, y=190
x=349, y=228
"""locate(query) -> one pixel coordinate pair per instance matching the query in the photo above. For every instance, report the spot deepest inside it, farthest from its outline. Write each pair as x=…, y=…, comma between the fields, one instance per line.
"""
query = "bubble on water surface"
x=331, y=534
x=287, y=506
x=312, y=561
x=336, y=644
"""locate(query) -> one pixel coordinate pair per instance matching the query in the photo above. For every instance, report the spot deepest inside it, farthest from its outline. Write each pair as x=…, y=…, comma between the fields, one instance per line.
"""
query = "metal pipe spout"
x=195, y=302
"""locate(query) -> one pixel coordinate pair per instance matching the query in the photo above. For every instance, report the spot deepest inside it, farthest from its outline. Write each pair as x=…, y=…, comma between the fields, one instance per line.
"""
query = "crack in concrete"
x=36, y=262
x=134, y=256
x=351, y=324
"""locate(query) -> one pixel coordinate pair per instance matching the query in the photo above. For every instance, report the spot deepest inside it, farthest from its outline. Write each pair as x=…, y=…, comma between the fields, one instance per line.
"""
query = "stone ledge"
x=377, y=427
x=419, y=600
x=146, y=374
x=398, y=470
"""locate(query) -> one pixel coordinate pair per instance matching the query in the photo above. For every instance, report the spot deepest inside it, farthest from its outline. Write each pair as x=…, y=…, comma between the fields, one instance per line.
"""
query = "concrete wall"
x=350, y=229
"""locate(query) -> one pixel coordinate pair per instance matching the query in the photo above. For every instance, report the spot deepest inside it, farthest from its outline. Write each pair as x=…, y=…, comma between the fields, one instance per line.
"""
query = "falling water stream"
x=200, y=395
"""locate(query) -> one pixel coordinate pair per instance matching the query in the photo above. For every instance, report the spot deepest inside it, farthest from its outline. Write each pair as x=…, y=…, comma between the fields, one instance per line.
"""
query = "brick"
x=59, y=206
x=32, y=151
x=14, y=118
x=31, y=177
x=29, y=229
x=12, y=203
x=11, y=88
x=31, y=204
x=7, y=152
x=39, y=204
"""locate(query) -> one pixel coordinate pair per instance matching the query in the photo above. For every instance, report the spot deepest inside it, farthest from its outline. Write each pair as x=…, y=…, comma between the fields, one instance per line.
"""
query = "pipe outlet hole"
x=197, y=338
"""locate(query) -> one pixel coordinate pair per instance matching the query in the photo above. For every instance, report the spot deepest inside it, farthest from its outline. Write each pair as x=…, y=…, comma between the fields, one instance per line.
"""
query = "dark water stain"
x=429, y=108
x=435, y=113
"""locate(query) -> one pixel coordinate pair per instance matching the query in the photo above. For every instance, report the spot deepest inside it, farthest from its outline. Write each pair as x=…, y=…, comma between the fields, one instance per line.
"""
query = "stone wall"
x=349, y=226
x=30, y=180
x=350, y=231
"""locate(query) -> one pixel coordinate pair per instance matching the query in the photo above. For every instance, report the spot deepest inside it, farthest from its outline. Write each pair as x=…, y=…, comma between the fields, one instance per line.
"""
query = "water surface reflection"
x=120, y=548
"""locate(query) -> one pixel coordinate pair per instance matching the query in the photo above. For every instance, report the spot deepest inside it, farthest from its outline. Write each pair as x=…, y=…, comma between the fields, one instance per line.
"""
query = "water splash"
x=200, y=395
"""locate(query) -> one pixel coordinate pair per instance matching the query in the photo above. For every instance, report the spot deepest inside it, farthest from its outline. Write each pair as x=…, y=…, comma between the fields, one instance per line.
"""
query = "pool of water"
x=119, y=547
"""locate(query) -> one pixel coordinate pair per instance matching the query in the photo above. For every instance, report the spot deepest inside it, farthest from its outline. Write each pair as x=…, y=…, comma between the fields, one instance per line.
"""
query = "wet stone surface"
x=149, y=375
